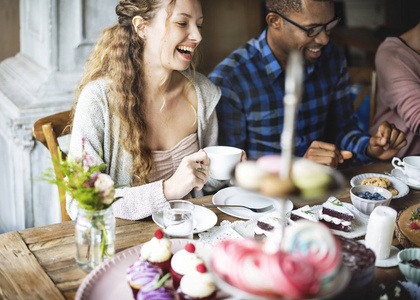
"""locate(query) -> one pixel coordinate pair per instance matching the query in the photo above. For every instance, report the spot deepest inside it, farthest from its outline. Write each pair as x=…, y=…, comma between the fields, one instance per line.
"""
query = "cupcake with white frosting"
x=184, y=261
x=158, y=251
x=197, y=285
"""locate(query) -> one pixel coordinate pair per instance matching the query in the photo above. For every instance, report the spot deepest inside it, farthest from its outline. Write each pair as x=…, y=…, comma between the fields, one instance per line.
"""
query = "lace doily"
x=227, y=230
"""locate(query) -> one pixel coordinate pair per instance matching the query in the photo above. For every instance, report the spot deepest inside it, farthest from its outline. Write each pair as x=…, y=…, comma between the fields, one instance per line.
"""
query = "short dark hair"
x=284, y=7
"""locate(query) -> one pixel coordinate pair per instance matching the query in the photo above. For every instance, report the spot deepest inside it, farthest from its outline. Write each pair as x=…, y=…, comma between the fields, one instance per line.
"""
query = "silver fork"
x=257, y=210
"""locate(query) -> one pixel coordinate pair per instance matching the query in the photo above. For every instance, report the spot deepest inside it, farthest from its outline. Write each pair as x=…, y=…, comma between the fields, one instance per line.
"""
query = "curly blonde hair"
x=119, y=55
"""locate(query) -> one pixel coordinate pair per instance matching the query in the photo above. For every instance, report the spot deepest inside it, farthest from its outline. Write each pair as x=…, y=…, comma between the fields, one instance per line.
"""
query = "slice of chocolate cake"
x=336, y=215
x=304, y=212
x=268, y=223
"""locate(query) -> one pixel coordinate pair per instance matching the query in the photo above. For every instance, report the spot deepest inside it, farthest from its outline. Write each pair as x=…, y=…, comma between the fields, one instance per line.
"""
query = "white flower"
x=105, y=185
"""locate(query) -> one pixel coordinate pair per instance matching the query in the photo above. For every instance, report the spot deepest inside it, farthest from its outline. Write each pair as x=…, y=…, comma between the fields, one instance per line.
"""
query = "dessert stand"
x=293, y=91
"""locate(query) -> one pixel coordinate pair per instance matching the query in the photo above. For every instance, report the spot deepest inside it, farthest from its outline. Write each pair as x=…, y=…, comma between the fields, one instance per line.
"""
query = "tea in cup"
x=223, y=160
x=410, y=166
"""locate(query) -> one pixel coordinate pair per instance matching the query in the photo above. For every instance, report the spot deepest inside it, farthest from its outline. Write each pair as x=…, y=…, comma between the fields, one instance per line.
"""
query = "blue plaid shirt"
x=251, y=109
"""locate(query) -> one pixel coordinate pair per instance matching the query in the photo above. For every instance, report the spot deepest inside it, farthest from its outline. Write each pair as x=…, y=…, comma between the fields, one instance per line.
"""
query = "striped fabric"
x=251, y=110
x=165, y=163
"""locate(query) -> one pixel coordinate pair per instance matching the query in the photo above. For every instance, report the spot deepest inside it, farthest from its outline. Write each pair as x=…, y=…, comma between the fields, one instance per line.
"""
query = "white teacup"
x=410, y=166
x=222, y=161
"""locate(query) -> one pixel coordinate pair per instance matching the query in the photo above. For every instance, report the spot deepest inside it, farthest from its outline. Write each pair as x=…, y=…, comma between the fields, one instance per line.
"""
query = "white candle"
x=380, y=231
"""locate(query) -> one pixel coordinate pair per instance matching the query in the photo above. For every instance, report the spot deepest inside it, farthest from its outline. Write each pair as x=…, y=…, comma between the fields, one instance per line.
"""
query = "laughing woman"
x=142, y=109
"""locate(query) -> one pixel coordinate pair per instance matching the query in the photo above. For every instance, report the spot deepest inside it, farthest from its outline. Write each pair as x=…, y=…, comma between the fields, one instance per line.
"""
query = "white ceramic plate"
x=204, y=219
x=396, y=183
x=358, y=225
x=108, y=280
x=401, y=176
x=237, y=195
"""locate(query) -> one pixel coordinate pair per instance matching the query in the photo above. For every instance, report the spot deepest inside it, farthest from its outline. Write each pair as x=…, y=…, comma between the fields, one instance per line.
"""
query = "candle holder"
x=379, y=235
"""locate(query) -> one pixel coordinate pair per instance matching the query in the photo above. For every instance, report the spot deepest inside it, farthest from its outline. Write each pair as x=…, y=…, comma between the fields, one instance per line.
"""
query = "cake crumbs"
x=397, y=291
x=383, y=297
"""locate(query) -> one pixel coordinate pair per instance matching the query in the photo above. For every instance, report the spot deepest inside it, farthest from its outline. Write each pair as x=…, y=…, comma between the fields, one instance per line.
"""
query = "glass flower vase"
x=95, y=236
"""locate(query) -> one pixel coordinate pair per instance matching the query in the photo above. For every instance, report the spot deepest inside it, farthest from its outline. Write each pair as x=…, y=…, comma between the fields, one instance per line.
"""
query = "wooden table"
x=38, y=263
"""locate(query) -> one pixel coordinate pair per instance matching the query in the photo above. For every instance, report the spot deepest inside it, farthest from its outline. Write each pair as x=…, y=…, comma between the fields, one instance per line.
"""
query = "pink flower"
x=105, y=185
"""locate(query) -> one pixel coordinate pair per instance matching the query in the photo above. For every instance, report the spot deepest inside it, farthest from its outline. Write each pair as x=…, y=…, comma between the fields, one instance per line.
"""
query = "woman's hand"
x=193, y=172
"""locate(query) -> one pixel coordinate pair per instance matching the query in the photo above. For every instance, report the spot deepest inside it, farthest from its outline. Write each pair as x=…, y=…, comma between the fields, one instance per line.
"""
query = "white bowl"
x=410, y=272
x=366, y=206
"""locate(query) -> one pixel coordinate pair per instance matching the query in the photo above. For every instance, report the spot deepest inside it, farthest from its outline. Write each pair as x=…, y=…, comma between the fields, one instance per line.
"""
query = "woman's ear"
x=274, y=21
x=139, y=25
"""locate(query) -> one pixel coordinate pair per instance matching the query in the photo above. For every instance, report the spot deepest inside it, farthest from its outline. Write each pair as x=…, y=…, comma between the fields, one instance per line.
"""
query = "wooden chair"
x=47, y=130
x=367, y=77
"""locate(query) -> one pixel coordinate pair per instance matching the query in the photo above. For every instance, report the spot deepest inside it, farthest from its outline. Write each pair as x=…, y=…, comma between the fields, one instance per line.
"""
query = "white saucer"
x=408, y=181
x=391, y=261
x=204, y=219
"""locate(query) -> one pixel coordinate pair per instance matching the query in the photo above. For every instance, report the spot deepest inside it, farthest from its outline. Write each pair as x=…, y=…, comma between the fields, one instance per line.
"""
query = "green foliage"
x=77, y=177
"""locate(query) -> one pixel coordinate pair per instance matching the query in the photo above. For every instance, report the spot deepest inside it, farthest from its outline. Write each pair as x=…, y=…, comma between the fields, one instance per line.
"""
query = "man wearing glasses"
x=252, y=80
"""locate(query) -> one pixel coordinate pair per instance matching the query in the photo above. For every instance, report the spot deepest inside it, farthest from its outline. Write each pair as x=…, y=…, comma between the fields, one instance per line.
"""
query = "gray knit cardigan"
x=102, y=133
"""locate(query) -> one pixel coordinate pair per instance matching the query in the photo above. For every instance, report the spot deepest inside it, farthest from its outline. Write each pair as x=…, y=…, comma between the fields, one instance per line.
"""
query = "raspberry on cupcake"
x=158, y=251
x=141, y=273
x=197, y=285
x=184, y=261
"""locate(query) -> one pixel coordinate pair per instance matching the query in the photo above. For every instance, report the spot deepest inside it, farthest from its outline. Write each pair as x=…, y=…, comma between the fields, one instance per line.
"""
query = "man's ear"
x=274, y=21
x=139, y=25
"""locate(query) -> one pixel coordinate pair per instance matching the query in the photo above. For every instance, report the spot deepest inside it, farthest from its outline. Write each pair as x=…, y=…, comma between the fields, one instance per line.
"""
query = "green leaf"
x=161, y=281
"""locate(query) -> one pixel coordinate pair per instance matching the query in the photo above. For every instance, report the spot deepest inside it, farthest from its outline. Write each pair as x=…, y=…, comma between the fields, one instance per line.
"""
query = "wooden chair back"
x=367, y=77
x=47, y=130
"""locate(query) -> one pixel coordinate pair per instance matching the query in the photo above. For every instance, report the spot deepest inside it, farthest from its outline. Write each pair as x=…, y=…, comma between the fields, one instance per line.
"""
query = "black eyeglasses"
x=313, y=31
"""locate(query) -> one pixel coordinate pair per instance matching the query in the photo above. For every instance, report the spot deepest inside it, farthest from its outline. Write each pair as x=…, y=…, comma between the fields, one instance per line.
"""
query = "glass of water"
x=178, y=221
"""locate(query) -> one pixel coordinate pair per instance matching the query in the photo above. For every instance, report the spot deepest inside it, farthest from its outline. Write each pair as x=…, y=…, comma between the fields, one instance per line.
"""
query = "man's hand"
x=327, y=154
x=386, y=143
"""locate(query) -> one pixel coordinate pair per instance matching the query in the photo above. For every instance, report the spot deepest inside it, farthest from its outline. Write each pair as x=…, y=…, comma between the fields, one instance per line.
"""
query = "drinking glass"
x=178, y=221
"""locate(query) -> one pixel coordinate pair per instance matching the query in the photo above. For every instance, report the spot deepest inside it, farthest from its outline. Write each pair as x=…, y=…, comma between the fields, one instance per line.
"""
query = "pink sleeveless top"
x=166, y=162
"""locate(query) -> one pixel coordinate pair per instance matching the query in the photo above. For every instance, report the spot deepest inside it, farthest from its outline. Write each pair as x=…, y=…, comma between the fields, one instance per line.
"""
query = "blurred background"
x=44, y=44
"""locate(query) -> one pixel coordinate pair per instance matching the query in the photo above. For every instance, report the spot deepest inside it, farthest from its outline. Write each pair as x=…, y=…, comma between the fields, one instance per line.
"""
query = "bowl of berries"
x=366, y=197
x=409, y=264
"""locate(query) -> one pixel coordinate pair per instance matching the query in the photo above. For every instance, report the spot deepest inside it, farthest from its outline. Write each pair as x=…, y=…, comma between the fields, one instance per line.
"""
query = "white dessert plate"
x=108, y=280
x=204, y=219
x=237, y=195
x=339, y=283
x=401, y=187
x=358, y=225
x=408, y=181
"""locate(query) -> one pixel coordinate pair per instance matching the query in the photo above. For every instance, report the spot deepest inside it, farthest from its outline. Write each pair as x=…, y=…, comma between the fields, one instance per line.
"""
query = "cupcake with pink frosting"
x=197, y=285
x=158, y=251
x=297, y=266
x=184, y=261
x=290, y=276
x=141, y=273
x=246, y=266
x=237, y=262
x=314, y=243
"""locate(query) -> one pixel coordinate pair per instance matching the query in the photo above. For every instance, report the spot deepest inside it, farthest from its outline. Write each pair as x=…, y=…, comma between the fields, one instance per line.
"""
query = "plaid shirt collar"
x=272, y=66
